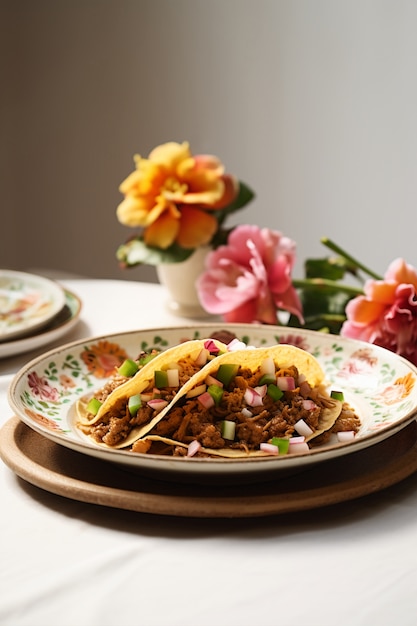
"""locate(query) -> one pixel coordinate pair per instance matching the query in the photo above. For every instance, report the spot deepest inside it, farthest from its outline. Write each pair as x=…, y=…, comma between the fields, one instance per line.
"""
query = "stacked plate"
x=33, y=311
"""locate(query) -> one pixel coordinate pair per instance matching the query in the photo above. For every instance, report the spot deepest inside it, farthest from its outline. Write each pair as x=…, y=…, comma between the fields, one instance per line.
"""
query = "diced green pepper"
x=274, y=392
x=93, y=406
x=216, y=393
x=337, y=395
x=228, y=429
x=128, y=368
x=227, y=372
x=267, y=379
x=281, y=443
x=161, y=379
x=134, y=403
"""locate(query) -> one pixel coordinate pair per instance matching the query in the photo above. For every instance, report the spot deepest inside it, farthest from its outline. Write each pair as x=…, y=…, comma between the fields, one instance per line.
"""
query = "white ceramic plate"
x=380, y=385
x=27, y=303
x=57, y=328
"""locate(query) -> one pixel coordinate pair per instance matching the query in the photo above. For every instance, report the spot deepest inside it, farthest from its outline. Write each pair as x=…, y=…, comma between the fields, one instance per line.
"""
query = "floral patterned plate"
x=380, y=385
x=59, y=326
x=27, y=303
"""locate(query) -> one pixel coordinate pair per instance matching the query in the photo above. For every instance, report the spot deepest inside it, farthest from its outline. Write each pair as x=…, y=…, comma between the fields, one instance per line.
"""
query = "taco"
x=241, y=401
x=116, y=418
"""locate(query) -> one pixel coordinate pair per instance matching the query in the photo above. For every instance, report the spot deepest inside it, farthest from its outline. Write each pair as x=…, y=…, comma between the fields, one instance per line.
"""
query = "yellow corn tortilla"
x=141, y=381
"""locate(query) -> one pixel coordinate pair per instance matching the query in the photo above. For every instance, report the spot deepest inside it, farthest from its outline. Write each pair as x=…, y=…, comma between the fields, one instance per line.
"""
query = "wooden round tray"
x=64, y=472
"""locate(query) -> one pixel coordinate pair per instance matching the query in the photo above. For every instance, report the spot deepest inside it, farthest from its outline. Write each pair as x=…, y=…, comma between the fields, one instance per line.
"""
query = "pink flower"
x=40, y=387
x=386, y=315
x=248, y=279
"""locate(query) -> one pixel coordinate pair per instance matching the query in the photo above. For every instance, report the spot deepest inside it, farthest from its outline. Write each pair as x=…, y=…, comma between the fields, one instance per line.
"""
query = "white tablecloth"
x=66, y=563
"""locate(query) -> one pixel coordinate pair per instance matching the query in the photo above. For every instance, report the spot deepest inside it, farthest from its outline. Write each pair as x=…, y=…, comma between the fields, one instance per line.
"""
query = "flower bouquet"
x=181, y=202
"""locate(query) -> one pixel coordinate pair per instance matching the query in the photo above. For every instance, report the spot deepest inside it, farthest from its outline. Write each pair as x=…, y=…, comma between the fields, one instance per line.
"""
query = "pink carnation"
x=248, y=279
x=386, y=315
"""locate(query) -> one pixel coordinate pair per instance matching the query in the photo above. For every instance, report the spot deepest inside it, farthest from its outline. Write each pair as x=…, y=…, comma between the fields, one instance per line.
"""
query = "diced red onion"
x=286, y=383
x=193, y=447
x=262, y=389
x=269, y=448
x=157, y=404
x=206, y=400
x=295, y=440
x=298, y=448
x=252, y=397
x=246, y=413
x=347, y=435
x=211, y=346
x=309, y=405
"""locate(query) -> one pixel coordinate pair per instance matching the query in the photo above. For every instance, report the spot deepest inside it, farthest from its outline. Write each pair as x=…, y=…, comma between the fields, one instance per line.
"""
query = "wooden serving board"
x=64, y=472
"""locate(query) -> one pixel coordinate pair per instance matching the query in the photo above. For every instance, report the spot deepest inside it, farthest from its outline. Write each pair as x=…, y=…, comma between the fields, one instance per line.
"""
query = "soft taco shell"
x=140, y=382
x=252, y=358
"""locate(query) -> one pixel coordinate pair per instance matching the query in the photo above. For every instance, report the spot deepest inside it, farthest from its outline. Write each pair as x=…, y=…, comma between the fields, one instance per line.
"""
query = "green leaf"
x=136, y=252
x=324, y=268
x=244, y=196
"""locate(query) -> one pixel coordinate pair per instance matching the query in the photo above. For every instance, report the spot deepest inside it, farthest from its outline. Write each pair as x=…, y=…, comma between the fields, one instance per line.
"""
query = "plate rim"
x=54, y=290
x=46, y=335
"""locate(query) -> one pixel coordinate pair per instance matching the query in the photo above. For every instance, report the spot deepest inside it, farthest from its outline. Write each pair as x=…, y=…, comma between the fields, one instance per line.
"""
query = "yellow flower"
x=172, y=195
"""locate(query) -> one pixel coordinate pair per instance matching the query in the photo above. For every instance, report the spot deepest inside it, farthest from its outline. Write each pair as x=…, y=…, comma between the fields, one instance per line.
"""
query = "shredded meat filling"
x=189, y=420
x=117, y=424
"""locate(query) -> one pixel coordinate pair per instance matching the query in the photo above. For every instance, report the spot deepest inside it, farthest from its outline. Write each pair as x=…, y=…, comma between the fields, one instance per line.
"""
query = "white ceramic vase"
x=179, y=279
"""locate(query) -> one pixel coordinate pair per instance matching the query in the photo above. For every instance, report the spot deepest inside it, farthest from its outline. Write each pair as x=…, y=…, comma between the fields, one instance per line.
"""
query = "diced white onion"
x=173, y=378
x=246, y=413
x=236, y=344
x=303, y=428
x=202, y=357
x=268, y=366
x=347, y=435
x=157, y=404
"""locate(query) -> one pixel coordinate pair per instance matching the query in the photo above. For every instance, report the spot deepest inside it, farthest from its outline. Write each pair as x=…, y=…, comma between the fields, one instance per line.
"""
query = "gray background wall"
x=311, y=102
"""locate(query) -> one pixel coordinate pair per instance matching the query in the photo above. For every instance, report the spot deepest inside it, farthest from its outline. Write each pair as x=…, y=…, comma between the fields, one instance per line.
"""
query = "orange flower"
x=171, y=194
x=387, y=314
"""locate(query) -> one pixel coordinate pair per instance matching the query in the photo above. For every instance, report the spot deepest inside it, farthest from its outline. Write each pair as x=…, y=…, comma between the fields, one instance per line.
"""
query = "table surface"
x=65, y=562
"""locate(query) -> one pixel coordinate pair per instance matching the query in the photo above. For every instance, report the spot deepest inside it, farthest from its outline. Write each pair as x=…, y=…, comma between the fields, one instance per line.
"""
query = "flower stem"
x=323, y=283
x=332, y=246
